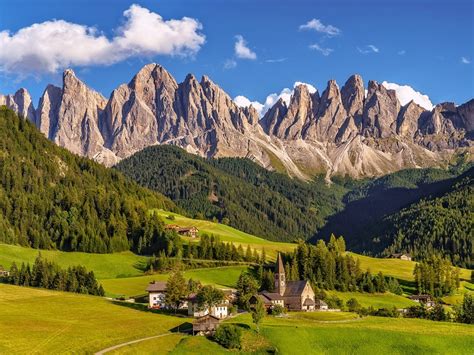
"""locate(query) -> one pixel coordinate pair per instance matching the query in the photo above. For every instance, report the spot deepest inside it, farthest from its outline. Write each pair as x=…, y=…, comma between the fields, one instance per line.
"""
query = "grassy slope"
x=41, y=321
x=123, y=264
x=225, y=277
x=228, y=234
x=300, y=334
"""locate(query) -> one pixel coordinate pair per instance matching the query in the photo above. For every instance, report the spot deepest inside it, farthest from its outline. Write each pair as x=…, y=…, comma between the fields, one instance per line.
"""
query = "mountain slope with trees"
x=237, y=192
x=53, y=199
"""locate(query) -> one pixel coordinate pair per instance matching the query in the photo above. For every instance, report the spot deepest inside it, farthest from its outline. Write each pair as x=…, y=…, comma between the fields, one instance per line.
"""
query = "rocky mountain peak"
x=353, y=94
x=380, y=111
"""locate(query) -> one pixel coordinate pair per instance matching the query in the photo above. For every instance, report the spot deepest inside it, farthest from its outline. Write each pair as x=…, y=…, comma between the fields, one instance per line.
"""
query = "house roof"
x=205, y=318
x=294, y=288
x=420, y=297
x=397, y=255
x=272, y=296
x=156, y=286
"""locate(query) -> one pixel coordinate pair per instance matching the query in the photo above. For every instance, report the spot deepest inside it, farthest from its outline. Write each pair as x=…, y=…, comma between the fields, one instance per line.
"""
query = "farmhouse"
x=156, y=294
x=294, y=295
x=426, y=300
x=4, y=272
x=219, y=311
x=206, y=325
x=401, y=256
x=187, y=231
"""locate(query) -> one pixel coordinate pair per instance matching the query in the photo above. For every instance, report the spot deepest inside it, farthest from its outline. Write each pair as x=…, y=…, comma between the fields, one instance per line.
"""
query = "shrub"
x=278, y=310
x=229, y=336
x=353, y=305
x=171, y=217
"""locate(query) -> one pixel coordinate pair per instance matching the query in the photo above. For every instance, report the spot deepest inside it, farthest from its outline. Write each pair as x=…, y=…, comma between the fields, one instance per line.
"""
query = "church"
x=293, y=295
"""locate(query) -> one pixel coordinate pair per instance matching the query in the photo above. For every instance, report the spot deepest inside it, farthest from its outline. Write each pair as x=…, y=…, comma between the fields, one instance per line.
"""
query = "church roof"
x=308, y=302
x=294, y=288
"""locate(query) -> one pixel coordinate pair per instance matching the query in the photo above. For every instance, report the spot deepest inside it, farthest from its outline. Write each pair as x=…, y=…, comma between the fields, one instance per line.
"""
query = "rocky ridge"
x=341, y=131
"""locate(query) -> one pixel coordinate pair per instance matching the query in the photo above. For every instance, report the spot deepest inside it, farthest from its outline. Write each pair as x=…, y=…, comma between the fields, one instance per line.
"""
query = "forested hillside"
x=443, y=223
x=236, y=191
x=272, y=205
x=51, y=198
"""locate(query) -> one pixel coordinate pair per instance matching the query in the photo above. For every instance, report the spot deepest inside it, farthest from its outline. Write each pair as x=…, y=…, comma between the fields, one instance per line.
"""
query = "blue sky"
x=428, y=45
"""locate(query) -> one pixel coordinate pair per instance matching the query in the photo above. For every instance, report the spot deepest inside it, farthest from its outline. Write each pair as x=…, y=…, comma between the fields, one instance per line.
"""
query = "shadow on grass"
x=408, y=287
x=185, y=327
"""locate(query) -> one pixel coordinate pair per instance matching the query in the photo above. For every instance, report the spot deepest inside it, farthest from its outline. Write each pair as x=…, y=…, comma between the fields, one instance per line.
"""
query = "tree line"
x=49, y=275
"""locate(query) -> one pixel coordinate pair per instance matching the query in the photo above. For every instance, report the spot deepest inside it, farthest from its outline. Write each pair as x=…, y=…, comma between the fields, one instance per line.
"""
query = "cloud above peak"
x=242, y=50
x=285, y=94
x=54, y=45
x=316, y=25
x=406, y=93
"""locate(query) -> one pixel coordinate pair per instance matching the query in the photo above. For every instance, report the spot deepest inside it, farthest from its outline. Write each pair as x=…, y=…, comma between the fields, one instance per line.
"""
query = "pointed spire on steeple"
x=280, y=268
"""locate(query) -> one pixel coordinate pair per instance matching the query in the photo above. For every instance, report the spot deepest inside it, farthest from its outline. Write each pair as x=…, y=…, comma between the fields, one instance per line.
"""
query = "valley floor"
x=40, y=321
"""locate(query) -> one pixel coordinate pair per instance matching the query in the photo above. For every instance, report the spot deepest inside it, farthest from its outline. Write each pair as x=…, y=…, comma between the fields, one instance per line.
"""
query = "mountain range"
x=341, y=131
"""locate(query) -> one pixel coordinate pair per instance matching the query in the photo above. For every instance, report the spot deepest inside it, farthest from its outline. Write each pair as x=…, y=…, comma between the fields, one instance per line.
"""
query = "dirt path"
x=115, y=347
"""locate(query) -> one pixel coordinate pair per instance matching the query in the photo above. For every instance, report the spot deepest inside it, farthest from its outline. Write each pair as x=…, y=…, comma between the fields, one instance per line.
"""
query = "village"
x=293, y=296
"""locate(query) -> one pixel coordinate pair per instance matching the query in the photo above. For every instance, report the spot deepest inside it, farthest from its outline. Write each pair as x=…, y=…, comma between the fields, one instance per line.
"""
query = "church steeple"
x=280, y=278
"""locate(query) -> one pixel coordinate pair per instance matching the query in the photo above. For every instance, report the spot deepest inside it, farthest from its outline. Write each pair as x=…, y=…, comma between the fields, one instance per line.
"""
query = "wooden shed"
x=206, y=325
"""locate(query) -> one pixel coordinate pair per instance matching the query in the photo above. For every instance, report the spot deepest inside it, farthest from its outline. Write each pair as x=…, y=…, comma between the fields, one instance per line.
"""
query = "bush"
x=229, y=336
x=334, y=302
x=171, y=217
x=353, y=305
x=278, y=310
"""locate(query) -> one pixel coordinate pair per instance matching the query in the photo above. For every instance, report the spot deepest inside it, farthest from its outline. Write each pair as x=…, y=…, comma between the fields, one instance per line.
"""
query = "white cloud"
x=271, y=99
x=57, y=44
x=278, y=60
x=241, y=49
x=406, y=93
x=230, y=64
x=370, y=48
x=310, y=87
x=464, y=60
x=402, y=52
x=318, y=26
x=242, y=101
x=324, y=51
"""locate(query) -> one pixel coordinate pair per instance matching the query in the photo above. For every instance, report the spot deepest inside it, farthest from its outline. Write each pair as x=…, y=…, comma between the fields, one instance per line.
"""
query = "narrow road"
x=115, y=347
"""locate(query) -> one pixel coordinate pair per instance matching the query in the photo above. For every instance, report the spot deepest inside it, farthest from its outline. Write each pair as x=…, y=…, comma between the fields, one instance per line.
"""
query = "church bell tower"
x=280, y=278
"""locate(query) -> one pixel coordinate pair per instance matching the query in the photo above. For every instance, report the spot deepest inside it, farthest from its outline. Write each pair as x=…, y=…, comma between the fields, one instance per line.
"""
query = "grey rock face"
x=340, y=132
x=21, y=103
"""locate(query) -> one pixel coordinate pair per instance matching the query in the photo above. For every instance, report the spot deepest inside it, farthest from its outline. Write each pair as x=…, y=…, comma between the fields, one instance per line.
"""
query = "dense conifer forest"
x=51, y=198
x=236, y=191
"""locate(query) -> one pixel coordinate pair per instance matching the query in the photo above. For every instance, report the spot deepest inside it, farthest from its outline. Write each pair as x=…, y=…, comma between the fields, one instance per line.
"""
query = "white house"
x=156, y=294
x=219, y=311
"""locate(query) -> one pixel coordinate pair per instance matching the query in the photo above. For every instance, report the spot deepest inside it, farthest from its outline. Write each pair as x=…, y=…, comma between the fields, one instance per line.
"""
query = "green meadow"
x=114, y=265
x=36, y=321
x=224, y=277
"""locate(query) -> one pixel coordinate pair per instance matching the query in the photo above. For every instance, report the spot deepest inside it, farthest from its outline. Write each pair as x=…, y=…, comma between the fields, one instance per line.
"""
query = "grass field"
x=227, y=234
x=376, y=300
x=35, y=321
x=123, y=264
x=225, y=277
x=38, y=321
